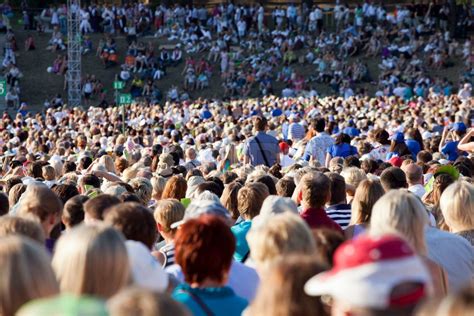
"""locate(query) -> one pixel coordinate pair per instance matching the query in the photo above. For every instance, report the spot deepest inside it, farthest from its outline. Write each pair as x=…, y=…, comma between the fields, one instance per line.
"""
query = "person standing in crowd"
x=318, y=145
x=281, y=295
x=337, y=208
x=401, y=212
x=204, y=292
x=249, y=202
x=466, y=144
x=91, y=260
x=359, y=282
x=167, y=212
x=457, y=206
x=366, y=195
x=26, y=273
x=314, y=192
x=261, y=149
x=450, y=139
x=341, y=148
x=42, y=204
x=414, y=175
x=296, y=131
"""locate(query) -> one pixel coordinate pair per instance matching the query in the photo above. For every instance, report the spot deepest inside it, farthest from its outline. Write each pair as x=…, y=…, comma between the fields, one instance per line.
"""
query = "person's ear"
x=159, y=227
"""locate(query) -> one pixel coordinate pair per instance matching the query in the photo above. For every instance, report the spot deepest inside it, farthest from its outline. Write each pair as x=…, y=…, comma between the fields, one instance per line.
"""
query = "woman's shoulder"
x=182, y=293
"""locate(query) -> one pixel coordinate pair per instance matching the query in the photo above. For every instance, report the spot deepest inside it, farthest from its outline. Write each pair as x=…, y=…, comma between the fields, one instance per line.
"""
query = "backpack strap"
x=200, y=302
x=263, y=153
x=247, y=255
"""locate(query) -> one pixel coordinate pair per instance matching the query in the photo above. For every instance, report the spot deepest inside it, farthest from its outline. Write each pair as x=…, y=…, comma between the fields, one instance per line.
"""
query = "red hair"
x=204, y=249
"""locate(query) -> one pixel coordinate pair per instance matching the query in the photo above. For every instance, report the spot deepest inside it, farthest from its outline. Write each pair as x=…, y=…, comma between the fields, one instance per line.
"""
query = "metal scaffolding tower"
x=74, y=53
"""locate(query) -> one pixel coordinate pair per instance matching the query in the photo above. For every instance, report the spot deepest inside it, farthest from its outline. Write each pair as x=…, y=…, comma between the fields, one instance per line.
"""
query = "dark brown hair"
x=96, y=207
x=135, y=221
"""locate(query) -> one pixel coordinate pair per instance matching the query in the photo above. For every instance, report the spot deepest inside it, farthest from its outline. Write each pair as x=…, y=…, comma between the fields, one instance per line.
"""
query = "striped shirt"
x=296, y=132
x=340, y=213
x=168, y=253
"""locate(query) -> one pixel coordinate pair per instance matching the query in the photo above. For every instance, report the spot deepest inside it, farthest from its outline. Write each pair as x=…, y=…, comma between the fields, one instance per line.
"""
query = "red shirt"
x=317, y=218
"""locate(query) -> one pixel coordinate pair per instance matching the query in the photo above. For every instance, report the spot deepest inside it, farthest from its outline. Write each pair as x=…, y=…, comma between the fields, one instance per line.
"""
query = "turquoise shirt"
x=240, y=231
x=220, y=300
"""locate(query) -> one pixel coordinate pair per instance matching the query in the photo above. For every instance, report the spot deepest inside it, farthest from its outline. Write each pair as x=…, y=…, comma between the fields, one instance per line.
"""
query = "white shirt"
x=418, y=190
x=454, y=253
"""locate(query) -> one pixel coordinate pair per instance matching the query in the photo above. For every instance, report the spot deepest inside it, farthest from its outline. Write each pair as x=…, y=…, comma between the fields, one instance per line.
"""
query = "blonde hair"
x=143, y=189
x=250, y=199
x=457, y=206
x=91, y=260
x=401, y=212
x=39, y=201
x=48, y=173
x=22, y=226
x=353, y=176
x=158, y=183
x=367, y=194
x=284, y=234
x=141, y=302
x=70, y=176
x=280, y=295
x=129, y=173
x=167, y=212
x=26, y=273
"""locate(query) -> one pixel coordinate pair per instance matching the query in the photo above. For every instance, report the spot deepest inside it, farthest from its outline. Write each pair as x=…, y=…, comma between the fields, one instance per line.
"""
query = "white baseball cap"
x=367, y=269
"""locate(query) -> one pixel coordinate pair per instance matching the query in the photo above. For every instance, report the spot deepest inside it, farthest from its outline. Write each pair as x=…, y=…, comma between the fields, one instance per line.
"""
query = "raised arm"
x=465, y=144
x=443, y=138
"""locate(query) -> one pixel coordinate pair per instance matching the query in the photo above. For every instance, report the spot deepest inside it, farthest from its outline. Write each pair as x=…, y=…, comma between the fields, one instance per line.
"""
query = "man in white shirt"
x=191, y=159
x=318, y=145
x=465, y=93
x=414, y=175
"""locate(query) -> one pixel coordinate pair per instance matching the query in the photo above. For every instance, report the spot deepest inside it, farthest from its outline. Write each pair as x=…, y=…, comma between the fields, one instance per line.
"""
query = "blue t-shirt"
x=220, y=300
x=268, y=148
x=342, y=150
x=240, y=231
x=413, y=146
x=451, y=150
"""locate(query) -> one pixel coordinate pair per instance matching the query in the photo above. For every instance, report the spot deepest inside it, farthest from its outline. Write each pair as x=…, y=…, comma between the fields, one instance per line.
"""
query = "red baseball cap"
x=396, y=161
x=284, y=146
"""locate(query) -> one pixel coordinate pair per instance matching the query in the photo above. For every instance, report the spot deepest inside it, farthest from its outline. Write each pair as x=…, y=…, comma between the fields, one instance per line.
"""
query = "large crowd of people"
x=242, y=207
x=249, y=50
x=277, y=205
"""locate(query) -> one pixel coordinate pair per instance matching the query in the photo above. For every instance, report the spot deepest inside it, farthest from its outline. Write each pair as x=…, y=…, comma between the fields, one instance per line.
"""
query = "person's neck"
x=459, y=229
x=167, y=237
x=338, y=203
x=305, y=207
x=208, y=283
